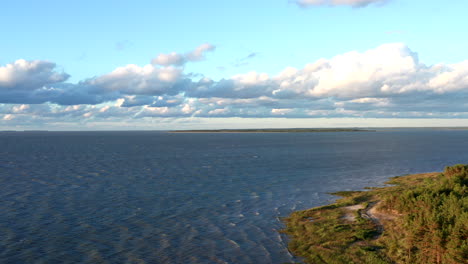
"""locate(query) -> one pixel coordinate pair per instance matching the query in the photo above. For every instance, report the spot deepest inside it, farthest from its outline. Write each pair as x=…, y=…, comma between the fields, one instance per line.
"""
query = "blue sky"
x=93, y=64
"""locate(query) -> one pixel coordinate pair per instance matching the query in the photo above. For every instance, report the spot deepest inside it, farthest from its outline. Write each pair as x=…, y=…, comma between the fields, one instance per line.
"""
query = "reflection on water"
x=148, y=197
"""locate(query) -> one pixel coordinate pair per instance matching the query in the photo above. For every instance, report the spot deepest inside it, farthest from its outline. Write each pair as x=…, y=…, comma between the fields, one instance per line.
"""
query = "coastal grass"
x=421, y=218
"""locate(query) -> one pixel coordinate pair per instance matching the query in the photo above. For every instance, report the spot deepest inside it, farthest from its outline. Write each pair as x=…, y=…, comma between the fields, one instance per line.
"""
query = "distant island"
x=421, y=218
x=273, y=130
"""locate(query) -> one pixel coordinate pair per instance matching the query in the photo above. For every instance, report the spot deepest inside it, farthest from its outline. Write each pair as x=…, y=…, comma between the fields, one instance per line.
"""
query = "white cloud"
x=88, y=115
x=136, y=100
x=133, y=79
x=367, y=100
x=449, y=78
x=20, y=108
x=251, y=78
x=384, y=71
x=188, y=109
x=177, y=59
x=218, y=111
x=282, y=111
x=8, y=117
x=172, y=58
x=387, y=69
x=199, y=52
x=387, y=81
x=29, y=75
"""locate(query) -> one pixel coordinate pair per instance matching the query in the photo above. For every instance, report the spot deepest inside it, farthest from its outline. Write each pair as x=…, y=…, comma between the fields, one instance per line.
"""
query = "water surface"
x=152, y=197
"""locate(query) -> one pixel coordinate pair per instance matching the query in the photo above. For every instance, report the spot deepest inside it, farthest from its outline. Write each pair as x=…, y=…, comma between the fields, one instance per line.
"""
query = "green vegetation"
x=274, y=130
x=421, y=218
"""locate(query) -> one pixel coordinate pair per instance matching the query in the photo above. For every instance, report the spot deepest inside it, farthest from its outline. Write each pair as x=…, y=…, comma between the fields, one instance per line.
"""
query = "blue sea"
x=155, y=197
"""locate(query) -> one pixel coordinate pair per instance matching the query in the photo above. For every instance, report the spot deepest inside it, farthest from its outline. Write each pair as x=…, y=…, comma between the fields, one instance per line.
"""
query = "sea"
x=158, y=197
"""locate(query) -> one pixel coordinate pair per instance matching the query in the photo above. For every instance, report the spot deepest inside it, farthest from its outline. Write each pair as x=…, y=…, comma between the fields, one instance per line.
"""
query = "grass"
x=324, y=235
x=328, y=234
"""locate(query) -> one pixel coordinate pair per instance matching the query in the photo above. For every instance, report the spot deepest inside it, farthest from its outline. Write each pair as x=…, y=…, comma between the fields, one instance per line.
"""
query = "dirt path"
x=371, y=213
x=350, y=212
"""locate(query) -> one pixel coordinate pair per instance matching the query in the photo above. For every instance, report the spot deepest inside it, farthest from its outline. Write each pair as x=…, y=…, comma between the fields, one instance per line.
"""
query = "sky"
x=157, y=65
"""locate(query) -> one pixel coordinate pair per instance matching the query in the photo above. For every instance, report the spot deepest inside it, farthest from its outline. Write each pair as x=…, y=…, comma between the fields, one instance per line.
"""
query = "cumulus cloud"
x=177, y=59
x=385, y=70
x=35, y=82
x=29, y=75
x=168, y=101
x=353, y=3
x=133, y=79
x=136, y=100
x=199, y=53
x=386, y=81
x=172, y=58
x=249, y=85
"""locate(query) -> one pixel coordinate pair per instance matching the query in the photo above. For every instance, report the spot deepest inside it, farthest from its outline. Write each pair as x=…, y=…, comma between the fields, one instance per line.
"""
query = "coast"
x=420, y=218
x=274, y=130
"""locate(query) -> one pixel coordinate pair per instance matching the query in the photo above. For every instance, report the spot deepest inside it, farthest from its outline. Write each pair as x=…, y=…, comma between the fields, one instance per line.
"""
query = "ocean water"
x=152, y=197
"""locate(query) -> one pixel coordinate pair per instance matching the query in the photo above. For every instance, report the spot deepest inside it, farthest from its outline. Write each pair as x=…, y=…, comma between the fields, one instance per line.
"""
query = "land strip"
x=274, y=130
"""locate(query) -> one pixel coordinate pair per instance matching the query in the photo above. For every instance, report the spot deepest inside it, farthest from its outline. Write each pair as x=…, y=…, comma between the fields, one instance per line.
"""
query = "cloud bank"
x=388, y=81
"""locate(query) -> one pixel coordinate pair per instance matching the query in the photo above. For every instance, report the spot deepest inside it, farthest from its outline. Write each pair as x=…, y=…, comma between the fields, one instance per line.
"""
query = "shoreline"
x=377, y=225
x=274, y=130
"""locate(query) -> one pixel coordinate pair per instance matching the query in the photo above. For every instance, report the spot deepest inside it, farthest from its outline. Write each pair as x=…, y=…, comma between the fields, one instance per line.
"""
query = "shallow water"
x=150, y=197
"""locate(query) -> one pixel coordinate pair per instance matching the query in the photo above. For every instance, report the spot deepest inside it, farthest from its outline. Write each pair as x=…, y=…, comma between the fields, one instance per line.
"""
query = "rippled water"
x=149, y=197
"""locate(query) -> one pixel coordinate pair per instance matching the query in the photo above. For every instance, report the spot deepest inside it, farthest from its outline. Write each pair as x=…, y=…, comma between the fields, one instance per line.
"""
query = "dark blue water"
x=149, y=197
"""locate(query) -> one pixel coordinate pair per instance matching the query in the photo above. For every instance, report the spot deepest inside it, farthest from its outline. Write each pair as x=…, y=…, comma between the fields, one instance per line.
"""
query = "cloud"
x=136, y=100
x=386, y=70
x=248, y=85
x=389, y=70
x=353, y=3
x=177, y=59
x=133, y=79
x=168, y=101
x=39, y=82
x=245, y=60
x=172, y=58
x=199, y=53
x=387, y=81
x=29, y=75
